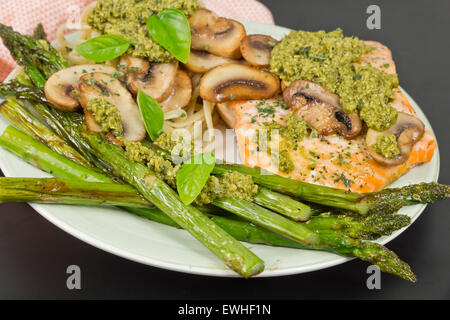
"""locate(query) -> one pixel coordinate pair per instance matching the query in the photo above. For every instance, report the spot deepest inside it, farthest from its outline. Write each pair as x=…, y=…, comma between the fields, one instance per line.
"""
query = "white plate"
x=150, y=243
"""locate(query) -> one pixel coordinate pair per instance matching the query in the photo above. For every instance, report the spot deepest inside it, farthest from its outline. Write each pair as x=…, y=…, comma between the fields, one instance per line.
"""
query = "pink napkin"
x=24, y=15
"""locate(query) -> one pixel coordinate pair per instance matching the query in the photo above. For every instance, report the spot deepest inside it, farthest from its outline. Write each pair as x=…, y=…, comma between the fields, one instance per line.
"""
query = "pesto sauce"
x=328, y=59
x=127, y=18
x=291, y=134
x=165, y=170
x=106, y=115
x=387, y=146
x=228, y=185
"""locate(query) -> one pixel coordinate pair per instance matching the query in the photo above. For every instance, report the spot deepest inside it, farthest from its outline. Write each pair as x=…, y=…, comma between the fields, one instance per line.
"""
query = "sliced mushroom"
x=59, y=88
x=227, y=114
x=321, y=109
x=256, y=49
x=154, y=79
x=408, y=130
x=238, y=82
x=181, y=93
x=219, y=36
x=202, y=61
x=101, y=85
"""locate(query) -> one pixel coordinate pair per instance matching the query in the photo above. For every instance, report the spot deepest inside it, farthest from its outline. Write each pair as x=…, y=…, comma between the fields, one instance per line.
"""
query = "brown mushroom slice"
x=154, y=79
x=227, y=114
x=59, y=88
x=181, y=93
x=408, y=130
x=101, y=85
x=256, y=49
x=219, y=36
x=238, y=82
x=321, y=109
x=202, y=61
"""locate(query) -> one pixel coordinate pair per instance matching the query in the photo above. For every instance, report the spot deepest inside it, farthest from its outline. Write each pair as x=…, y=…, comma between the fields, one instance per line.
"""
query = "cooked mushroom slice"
x=59, y=88
x=256, y=49
x=227, y=114
x=202, y=61
x=321, y=109
x=101, y=85
x=408, y=130
x=219, y=36
x=181, y=93
x=238, y=82
x=154, y=79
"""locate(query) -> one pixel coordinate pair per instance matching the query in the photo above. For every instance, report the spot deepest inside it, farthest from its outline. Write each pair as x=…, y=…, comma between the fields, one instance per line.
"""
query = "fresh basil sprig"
x=103, y=48
x=193, y=175
x=170, y=28
x=152, y=114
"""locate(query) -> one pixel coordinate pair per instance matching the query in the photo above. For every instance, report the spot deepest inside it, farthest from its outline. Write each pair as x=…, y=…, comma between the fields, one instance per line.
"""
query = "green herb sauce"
x=164, y=169
x=290, y=135
x=387, y=146
x=228, y=185
x=328, y=59
x=106, y=115
x=127, y=18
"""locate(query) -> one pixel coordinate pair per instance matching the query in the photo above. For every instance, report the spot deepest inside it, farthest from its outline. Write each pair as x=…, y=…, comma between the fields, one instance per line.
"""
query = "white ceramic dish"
x=147, y=242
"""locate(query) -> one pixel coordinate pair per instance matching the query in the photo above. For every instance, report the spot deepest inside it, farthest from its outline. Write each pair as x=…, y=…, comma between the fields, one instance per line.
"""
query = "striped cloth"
x=24, y=15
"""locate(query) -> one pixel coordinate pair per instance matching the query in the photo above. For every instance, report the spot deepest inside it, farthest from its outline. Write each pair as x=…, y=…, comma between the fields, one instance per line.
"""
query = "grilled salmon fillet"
x=328, y=160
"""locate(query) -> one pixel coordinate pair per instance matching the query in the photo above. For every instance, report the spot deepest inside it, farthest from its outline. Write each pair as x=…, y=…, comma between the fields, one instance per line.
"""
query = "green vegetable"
x=231, y=252
x=152, y=114
x=103, y=48
x=283, y=204
x=385, y=202
x=57, y=191
x=193, y=175
x=170, y=28
x=334, y=242
x=27, y=122
x=39, y=155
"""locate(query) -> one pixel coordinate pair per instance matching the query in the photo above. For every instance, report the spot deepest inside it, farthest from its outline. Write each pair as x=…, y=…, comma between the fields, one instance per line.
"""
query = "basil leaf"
x=193, y=175
x=170, y=28
x=152, y=114
x=103, y=48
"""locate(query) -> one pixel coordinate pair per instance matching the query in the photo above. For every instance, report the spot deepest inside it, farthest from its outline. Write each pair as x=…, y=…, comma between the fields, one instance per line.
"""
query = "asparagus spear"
x=334, y=242
x=39, y=32
x=385, y=202
x=39, y=155
x=39, y=59
x=28, y=123
x=57, y=191
x=368, y=228
x=234, y=254
x=62, y=191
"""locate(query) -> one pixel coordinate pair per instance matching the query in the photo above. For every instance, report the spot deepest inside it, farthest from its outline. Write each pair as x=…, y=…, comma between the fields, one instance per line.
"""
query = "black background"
x=34, y=254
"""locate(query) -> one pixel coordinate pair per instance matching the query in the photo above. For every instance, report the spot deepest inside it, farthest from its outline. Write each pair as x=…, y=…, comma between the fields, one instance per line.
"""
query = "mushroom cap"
x=60, y=86
x=257, y=48
x=408, y=130
x=154, y=79
x=181, y=93
x=238, y=82
x=101, y=85
x=202, y=61
x=219, y=36
x=321, y=109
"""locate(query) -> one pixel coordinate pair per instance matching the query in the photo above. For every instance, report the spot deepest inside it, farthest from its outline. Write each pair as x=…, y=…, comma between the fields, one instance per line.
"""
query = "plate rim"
x=328, y=262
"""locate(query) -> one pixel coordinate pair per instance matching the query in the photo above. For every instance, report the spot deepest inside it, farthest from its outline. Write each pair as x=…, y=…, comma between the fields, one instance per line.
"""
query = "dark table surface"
x=34, y=254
